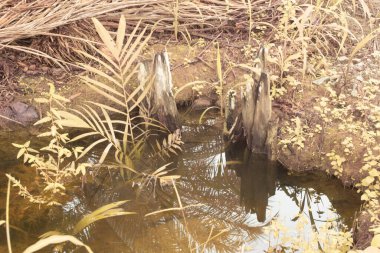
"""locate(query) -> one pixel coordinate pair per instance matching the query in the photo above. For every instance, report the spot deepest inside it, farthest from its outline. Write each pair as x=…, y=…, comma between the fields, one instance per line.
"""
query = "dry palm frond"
x=200, y=17
x=63, y=41
x=20, y=19
x=56, y=24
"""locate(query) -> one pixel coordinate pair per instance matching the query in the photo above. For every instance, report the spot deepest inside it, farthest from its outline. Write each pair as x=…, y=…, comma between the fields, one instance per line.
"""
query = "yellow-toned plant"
x=54, y=163
x=295, y=135
x=112, y=124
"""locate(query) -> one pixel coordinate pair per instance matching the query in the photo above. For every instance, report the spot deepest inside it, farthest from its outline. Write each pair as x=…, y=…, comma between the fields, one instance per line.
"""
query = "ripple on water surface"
x=231, y=198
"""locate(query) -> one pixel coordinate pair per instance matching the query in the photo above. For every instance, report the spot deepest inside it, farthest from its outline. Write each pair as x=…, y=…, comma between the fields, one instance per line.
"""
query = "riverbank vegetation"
x=79, y=65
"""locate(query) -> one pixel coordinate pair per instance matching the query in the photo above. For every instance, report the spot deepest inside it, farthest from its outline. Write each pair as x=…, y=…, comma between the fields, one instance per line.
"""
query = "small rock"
x=360, y=78
x=19, y=107
x=354, y=91
x=343, y=59
x=7, y=112
x=30, y=114
x=57, y=71
x=326, y=79
x=322, y=80
x=6, y=117
x=32, y=73
x=360, y=66
x=32, y=67
x=201, y=103
x=22, y=112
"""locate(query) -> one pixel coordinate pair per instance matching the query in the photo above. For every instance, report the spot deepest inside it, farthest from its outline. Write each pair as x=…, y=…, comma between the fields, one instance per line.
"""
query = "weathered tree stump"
x=160, y=103
x=252, y=119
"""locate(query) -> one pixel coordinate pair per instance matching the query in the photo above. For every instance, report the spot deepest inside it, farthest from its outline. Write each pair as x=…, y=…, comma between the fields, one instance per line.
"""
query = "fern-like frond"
x=117, y=60
x=115, y=124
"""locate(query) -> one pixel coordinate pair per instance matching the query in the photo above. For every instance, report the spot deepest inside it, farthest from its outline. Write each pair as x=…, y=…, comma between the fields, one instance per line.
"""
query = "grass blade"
x=7, y=218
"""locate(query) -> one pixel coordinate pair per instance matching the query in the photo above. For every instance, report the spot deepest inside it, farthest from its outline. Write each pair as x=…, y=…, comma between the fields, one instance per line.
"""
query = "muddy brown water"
x=231, y=196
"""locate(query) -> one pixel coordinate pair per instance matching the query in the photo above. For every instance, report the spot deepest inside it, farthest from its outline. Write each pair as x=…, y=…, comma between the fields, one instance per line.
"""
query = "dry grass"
x=39, y=17
x=20, y=19
x=57, y=27
x=201, y=17
x=65, y=25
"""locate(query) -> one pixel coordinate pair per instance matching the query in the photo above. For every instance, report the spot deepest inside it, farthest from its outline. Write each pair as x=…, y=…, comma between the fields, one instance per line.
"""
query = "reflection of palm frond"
x=106, y=211
x=207, y=205
x=155, y=175
x=171, y=145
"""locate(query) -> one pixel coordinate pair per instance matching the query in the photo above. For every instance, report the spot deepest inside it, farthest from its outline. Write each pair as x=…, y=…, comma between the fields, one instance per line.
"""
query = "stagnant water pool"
x=231, y=198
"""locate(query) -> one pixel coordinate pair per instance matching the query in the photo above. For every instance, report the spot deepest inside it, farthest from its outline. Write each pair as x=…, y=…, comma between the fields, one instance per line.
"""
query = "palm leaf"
x=120, y=33
x=92, y=146
x=106, y=38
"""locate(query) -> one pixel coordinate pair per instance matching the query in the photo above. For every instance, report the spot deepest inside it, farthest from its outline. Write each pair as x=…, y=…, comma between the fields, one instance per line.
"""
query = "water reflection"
x=239, y=194
x=257, y=179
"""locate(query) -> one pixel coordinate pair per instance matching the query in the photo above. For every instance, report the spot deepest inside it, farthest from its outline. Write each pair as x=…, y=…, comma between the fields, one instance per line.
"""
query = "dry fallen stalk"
x=22, y=20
